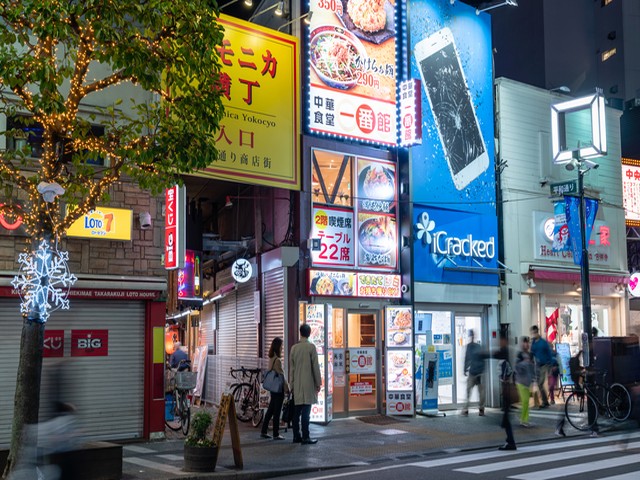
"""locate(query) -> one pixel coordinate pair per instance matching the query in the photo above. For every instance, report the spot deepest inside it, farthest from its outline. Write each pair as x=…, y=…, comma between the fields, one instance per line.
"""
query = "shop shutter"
x=106, y=390
x=227, y=325
x=207, y=323
x=274, y=308
x=247, y=328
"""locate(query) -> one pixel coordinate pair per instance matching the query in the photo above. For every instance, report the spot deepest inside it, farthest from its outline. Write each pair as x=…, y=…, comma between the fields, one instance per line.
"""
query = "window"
x=608, y=54
x=32, y=137
x=331, y=181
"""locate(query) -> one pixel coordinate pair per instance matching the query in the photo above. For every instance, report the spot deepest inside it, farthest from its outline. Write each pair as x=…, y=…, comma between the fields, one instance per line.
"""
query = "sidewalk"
x=347, y=442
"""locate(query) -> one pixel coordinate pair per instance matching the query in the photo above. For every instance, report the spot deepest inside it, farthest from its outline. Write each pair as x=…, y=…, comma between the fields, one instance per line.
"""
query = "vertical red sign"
x=171, y=228
x=89, y=343
x=53, y=343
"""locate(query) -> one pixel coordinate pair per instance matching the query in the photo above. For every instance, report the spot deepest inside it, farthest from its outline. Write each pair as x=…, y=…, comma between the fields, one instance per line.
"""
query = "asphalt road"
x=614, y=457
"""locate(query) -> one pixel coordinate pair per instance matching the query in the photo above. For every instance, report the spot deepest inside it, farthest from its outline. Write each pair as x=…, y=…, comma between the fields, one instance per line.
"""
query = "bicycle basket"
x=186, y=380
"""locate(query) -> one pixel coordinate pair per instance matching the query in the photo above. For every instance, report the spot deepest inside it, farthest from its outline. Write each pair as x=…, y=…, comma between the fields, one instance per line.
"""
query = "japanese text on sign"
x=334, y=228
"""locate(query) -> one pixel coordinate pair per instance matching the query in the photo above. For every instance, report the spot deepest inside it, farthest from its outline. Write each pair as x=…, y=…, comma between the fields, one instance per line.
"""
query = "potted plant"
x=200, y=453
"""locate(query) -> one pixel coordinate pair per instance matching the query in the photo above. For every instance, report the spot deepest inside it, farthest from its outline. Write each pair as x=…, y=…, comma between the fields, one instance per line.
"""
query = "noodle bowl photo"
x=335, y=52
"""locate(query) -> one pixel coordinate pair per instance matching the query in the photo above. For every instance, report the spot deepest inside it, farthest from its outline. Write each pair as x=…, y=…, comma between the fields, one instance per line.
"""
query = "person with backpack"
x=505, y=373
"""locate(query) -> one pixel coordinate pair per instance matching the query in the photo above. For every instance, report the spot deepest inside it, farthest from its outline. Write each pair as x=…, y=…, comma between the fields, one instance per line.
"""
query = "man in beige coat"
x=305, y=382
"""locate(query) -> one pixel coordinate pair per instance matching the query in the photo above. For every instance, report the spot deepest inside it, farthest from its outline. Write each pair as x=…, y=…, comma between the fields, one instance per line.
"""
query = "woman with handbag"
x=275, y=381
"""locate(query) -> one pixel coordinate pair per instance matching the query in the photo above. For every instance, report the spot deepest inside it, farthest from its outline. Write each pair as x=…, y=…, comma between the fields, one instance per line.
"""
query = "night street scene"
x=320, y=239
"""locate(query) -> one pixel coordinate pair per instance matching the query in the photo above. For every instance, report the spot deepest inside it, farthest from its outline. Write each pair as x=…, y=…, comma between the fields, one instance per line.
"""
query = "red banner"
x=89, y=343
x=53, y=343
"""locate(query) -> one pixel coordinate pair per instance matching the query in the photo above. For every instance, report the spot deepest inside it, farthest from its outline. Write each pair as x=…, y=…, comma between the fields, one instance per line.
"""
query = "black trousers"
x=506, y=422
x=274, y=410
x=304, y=412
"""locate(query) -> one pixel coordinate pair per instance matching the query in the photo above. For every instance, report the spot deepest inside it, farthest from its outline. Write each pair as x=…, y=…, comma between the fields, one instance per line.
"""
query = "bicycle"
x=612, y=400
x=183, y=382
x=246, y=394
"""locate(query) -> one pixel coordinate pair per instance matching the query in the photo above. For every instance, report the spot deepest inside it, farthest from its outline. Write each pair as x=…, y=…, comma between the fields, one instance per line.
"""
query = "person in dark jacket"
x=277, y=398
x=474, y=370
x=543, y=355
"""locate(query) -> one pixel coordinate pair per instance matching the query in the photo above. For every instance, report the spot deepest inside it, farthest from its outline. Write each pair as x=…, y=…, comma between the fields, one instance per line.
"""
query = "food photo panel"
x=399, y=332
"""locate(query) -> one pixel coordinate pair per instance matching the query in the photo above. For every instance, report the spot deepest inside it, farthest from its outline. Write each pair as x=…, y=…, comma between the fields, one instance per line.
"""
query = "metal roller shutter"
x=274, y=308
x=227, y=325
x=247, y=328
x=95, y=385
x=207, y=323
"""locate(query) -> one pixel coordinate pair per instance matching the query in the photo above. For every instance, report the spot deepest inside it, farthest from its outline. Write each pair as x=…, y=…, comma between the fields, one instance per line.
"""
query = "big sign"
x=104, y=223
x=352, y=57
x=258, y=138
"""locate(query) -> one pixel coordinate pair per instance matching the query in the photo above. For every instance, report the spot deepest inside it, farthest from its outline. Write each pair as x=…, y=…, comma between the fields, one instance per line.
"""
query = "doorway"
x=448, y=333
x=356, y=373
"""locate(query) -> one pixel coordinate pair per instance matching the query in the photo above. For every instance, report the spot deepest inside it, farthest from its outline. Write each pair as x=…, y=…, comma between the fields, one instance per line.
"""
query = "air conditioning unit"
x=633, y=103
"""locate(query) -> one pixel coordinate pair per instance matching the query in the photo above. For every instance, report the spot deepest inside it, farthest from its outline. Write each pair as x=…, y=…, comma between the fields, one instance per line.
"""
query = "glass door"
x=464, y=324
x=356, y=376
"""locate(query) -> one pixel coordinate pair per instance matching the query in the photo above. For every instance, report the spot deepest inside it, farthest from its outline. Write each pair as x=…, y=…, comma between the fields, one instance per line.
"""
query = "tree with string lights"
x=57, y=58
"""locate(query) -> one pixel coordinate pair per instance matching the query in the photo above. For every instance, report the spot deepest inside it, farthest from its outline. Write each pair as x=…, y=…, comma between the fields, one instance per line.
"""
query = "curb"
x=259, y=474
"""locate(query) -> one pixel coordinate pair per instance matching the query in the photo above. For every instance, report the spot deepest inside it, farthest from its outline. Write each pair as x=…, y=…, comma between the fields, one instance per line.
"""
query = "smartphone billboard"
x=452, y=171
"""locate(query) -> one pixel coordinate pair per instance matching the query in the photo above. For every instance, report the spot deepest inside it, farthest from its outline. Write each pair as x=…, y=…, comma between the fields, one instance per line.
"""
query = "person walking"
x=524, y=378
x=277, y=398
x=505, y=373
x=543, y=355
x=305, y=382
x=474, y=371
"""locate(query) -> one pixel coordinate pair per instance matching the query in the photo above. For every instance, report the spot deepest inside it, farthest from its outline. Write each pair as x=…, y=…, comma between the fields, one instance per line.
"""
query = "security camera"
x=145, y=220
x=592, y=165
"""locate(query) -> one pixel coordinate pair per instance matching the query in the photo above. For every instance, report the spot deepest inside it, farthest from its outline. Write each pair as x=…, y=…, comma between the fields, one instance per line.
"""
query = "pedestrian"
x=474, y=371
x=305, y=383
x=505, y=373
x=179, y=355
x=277, y=398
x=543, y=356
x=524, y=378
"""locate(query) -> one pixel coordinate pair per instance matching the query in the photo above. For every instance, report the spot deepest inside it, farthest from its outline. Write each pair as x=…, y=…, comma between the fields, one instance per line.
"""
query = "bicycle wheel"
x=619, y=402
x=241, y=399
x=186, y=413
x=258, y=413
x=176, y=423
x=576, y=410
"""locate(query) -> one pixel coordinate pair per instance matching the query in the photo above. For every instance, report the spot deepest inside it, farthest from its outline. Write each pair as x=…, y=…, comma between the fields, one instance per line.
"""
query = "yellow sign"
x=258, y=141
x=103, y=222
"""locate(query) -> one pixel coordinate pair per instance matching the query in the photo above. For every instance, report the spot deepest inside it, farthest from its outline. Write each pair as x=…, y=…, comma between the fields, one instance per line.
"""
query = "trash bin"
x=168, y=407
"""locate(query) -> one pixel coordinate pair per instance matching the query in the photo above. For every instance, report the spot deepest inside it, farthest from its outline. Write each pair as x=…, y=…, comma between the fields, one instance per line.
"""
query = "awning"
x=566, y=275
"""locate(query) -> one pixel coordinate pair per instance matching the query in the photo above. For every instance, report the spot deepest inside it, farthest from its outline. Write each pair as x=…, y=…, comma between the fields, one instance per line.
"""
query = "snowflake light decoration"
x=44, y=281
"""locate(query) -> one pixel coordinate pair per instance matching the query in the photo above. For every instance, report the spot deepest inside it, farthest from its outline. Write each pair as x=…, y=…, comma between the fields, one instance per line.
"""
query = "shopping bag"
x=273, y=381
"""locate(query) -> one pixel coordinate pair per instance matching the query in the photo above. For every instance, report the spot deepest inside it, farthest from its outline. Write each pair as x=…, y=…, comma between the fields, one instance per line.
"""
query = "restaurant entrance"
x=357, y=369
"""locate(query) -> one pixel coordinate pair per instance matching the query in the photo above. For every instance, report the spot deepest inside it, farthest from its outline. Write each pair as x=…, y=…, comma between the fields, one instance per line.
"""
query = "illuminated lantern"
x=170, y=337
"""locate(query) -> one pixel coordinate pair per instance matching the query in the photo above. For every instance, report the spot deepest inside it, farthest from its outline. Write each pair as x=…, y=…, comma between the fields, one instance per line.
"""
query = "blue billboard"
x=452, y=171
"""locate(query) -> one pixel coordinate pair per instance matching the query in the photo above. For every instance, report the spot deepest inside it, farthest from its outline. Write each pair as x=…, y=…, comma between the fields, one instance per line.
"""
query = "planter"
x=200, y=459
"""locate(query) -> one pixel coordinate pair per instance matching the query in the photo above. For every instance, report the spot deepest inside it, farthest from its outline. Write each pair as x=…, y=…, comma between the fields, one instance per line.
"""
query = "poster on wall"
x=451, y=55
x=316, y=320
x=334, y=228
x=398, y=323
x=376, y=181
x=53, y=343
x=352, y=49
x=631, y=192
x=377, y=241
x=333, y=283
x=399, y=370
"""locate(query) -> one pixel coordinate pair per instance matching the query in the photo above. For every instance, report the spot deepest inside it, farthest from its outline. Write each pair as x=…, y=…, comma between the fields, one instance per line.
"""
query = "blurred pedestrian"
x=474, y=371
x=180, y=354
x=524, y=378
x=305, y=383
x=505, y=373
x=277, y=398
x=543, y=356
x=554, y=375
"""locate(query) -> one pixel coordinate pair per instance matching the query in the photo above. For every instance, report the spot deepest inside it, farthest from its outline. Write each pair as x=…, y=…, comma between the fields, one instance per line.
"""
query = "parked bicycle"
x=246, y=394
x=182, y=383
x=613, y=400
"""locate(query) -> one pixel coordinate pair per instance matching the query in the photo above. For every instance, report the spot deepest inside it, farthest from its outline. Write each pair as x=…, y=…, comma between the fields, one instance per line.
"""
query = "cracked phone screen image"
x=452, y=109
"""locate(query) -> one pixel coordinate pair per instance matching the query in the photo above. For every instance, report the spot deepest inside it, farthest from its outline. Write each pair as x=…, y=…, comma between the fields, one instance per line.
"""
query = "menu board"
x=334, y=227
x=318, y=409
x=377, y=241
x=316, y=320
x=376, y=181
x=335, y=283
x=399, y=370
x=398, y=321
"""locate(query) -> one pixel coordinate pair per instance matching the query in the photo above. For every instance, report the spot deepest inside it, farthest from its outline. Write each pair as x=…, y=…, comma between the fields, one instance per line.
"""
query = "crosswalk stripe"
x=171, y=456
x=548, y=457
x=624, y=476
x=581, y=442
x=579, y=468
x=154, y=465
